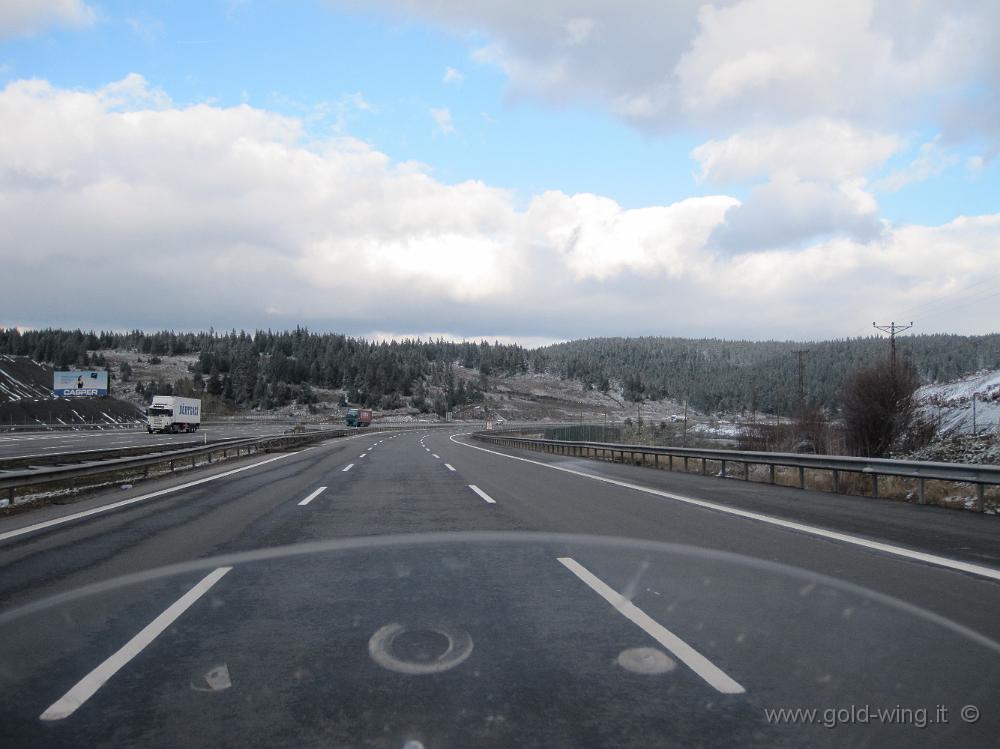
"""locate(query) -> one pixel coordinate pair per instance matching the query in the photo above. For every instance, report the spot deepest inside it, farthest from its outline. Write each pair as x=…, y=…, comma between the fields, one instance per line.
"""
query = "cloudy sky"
x=516, y=170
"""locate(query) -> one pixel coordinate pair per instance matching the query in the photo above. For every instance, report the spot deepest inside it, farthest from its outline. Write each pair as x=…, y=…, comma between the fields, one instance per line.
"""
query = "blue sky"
x=688, y=145
x=229, y=53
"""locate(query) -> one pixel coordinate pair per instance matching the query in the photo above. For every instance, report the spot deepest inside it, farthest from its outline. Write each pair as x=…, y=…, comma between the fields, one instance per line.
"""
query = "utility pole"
x=893, y=330
x=685, y=438
x=800, y=354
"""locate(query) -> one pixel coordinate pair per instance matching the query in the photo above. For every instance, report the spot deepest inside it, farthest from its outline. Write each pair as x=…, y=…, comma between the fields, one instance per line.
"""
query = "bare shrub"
x=877, y=406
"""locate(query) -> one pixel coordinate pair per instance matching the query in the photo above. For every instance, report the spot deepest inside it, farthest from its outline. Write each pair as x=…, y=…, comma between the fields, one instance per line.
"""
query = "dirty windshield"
x=444, y=374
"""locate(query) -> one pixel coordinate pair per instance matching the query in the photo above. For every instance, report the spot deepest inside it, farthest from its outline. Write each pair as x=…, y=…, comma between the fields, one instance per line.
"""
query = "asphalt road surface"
x=424, y=590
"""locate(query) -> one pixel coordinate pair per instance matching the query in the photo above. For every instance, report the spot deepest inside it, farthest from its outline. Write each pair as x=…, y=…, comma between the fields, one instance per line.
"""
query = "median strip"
x=133, y=500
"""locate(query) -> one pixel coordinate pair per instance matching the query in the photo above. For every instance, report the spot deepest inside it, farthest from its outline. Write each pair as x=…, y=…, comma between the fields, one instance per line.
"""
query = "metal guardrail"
x=80, y=456
x=978, y=475
x=13, y=481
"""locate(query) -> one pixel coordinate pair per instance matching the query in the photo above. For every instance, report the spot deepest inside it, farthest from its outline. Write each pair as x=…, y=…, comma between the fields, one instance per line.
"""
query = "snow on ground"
x=951, y=403
x=719, y=429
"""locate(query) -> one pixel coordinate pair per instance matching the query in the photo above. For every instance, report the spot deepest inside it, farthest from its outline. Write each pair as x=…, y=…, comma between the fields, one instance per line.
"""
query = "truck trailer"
x=359, y=417
x=169, y=413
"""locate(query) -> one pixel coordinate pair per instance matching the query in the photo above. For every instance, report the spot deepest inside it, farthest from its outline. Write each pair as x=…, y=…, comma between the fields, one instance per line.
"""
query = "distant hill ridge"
x=267, y=369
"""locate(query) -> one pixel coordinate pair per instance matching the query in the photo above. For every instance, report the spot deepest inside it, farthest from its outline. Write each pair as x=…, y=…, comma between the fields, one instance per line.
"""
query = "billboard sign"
x=80, y=383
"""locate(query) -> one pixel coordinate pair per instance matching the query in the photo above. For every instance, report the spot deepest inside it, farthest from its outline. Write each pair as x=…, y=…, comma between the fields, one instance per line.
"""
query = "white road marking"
x=449, y=466
x=436, y=456
x=371, y=448
x=482, y=494
x=313, y=496
x=694, y=660
x=84, y=689
x=362, y=455
x=349, y=467
x=900, y=551
x=133, y=500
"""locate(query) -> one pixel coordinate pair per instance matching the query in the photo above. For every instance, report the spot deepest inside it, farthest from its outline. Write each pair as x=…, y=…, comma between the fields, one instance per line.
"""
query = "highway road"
x=425, y=590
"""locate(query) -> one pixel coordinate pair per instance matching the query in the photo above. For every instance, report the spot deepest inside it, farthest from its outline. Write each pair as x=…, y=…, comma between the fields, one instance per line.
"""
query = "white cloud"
x=596, y=238
x=787, y=212
x=453, y=76
x=147, y=29
x=810, y=93
x=931, y=159
x=578, y=31
x=114, y=200
x=660, y=65
x=825, y=150
x=442, y=118
x=24, y=17
x=811, y=189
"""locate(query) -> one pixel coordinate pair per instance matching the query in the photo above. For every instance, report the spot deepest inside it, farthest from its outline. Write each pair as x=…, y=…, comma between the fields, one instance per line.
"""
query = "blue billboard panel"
x=80, y=383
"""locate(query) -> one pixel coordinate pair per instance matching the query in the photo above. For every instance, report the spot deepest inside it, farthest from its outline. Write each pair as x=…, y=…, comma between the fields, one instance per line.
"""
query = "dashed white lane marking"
x=362, y=455
x=84, y=689
x=449, y=466
x=313, y=496
x=694, y=660
x=349, y=467
x=900, y=551
x=482, y=494
x=436, y=456
x=133, y=500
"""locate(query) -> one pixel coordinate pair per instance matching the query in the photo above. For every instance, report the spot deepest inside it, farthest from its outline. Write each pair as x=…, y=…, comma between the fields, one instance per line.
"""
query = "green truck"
x=359, y=417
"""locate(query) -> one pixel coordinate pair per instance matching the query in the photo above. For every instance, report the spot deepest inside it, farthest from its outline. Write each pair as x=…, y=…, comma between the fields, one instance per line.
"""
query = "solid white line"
x=694, y=660
x=313, y=496
x=349, y=467
x=900, y=551
x=89, y=684
x=133, y=500
x=449, y=466
x=436, y=456
x=482, y=494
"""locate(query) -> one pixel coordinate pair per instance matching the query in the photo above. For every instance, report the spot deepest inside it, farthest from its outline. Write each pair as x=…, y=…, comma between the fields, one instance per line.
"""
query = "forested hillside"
x=719, y=375
x=266, y=369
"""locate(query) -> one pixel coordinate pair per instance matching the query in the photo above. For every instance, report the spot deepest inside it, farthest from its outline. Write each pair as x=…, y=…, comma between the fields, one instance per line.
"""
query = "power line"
x=945, y=299
x=893, y=330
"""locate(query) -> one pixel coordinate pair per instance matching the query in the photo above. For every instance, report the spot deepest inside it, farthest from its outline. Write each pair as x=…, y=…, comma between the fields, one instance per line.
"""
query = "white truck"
x=169, y=413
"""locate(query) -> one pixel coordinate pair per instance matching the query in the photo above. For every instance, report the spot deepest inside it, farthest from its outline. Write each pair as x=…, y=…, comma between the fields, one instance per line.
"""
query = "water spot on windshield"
x=646, y=661
x=214, y=680
x=419, y=649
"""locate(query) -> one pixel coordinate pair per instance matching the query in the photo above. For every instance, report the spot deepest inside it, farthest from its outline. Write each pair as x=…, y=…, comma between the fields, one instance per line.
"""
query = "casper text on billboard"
x=80, y=383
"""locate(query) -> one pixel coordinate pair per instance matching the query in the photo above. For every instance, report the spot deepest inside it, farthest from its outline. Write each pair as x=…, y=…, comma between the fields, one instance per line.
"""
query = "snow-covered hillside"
x=950, y=403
